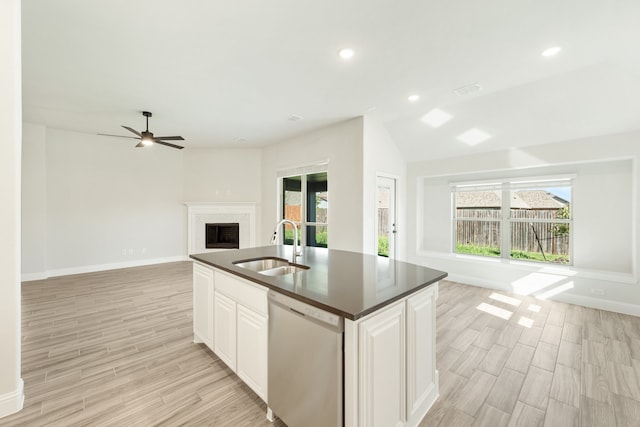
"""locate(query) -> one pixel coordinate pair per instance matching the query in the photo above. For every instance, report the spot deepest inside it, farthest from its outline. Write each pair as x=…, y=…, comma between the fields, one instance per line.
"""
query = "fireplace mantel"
x=201, y=213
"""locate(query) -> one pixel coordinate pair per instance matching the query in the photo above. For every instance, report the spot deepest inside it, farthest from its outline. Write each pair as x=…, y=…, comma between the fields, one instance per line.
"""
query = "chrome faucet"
x=296, y=250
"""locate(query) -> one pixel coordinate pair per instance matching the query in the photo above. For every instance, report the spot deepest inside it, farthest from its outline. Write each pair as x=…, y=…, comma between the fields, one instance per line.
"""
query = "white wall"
x=222, y=175
x=382, y=157
x=108, y=204
x=605, y=229
x=11, y=390
x=34, y=198
x=341, y=145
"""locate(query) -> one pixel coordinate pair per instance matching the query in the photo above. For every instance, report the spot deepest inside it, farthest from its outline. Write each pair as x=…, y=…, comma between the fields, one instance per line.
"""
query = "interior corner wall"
x=34, y=207
x=11, y=384
x=605, y=220
x=341, y=145
x=111, y=205
x=222, y=175
x=382, y=157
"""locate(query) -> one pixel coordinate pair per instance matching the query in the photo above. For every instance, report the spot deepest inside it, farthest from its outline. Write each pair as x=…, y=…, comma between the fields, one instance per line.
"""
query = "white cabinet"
x=225, y=329
x=203, y=305
x=422, y=382
x=382, y=368
x=390, y=370
x=241, y=329
x=230, y=315
x=251, y=358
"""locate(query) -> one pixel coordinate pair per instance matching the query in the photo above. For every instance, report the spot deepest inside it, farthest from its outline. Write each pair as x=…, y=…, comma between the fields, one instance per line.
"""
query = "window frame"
x=303, y=172
x=506, y=187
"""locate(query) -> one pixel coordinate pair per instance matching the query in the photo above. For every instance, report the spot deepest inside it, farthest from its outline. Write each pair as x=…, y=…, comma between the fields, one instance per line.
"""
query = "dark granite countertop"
x=349, y=284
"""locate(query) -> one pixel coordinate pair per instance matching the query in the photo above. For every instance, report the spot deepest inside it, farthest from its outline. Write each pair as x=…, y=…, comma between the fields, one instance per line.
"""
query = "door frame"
x=393, y=222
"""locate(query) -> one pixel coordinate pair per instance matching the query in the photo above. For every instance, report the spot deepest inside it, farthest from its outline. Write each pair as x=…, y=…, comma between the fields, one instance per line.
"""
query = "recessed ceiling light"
x=551, y=51
x=241, y=140
x=294, y=118
x=346, y=53
x=436, y=118
x=413, y=98
x=473, y=136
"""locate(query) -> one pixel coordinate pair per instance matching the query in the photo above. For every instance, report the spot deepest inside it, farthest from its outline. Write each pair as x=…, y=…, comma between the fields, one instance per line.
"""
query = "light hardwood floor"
x=115, y=348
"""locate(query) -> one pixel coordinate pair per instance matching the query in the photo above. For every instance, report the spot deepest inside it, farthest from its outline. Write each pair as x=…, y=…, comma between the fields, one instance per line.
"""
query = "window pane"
x=541, y=203
x=540, y=241
x=289, y=233
x=317, y=197
x=317, y=235
x=292, y=198
x=478, y=215
x=478, y=237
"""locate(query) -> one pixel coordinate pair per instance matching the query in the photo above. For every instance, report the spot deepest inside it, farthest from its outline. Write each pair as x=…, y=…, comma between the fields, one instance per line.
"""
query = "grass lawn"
x=523, y=255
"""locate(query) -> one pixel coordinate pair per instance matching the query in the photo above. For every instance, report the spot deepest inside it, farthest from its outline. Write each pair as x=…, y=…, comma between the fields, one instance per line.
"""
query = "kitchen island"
x=387, y=308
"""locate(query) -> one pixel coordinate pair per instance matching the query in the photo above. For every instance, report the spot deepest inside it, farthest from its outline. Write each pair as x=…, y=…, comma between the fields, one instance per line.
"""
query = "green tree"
x=562, y=229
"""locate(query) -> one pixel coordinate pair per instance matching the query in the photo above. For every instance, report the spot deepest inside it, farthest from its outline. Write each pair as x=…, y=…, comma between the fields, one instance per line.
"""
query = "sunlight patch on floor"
x=556, y=290
x=505, y=299
x=495, y=311
x=534, y=307
x=535, y=282
x=525, y=321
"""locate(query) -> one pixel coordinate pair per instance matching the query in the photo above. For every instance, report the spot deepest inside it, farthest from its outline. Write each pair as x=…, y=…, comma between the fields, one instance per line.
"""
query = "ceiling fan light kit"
x=146, y=138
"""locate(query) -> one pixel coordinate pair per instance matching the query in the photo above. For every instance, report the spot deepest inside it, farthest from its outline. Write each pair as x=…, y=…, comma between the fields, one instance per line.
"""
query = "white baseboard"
x=101, y=267
x=566, y=297
x=28, y=277
x=13, y=401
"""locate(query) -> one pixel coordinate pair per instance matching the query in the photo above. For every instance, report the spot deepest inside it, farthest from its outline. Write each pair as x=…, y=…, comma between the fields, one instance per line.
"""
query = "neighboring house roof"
x=539, y=199
x=523, y=199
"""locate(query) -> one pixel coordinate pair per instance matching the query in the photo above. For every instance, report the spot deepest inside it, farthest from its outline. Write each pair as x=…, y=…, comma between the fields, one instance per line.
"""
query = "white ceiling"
x=216, y=71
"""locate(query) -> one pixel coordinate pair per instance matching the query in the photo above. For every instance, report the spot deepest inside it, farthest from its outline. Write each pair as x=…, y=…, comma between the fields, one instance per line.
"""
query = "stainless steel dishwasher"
x=305, y=363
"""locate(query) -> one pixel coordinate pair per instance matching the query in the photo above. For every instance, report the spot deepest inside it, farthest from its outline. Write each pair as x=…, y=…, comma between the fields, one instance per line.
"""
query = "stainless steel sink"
x=262, y=264
x=281, y=271
x=271, y=266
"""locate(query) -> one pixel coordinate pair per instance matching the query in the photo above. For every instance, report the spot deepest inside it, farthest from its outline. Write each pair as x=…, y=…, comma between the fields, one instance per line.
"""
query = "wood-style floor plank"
x=115, y=348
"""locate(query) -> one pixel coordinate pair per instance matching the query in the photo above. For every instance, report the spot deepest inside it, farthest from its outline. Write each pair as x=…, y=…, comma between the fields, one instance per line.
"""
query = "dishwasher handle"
x=309, y=312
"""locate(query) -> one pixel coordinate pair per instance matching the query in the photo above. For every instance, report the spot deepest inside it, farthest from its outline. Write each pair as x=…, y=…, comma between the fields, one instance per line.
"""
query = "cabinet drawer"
x=246, y=293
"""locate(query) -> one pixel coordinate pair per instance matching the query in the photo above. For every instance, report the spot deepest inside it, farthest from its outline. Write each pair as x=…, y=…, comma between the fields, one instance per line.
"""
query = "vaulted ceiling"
x=233, y=73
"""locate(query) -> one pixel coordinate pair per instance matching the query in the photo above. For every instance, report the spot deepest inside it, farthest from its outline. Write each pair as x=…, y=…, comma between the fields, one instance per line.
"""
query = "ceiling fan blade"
x=139, y=144
x=157, y=141
x=132, y=130
x=171, y=138
x=118, y=136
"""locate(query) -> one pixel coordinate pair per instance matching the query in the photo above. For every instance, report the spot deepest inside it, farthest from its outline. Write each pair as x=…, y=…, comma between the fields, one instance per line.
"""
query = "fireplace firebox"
x=222, y=235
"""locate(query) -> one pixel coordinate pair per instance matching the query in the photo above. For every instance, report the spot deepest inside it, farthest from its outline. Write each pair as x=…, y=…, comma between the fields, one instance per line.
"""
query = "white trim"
x=599, y=303
x=112, y=266
x=28, y=277
x=539, y=267
x=303, y=169
x=244, y=211
x=12, y=402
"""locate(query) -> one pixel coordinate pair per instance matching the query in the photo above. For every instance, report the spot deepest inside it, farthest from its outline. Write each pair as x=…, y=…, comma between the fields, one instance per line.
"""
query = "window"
x=517, y=219
x=305, y=201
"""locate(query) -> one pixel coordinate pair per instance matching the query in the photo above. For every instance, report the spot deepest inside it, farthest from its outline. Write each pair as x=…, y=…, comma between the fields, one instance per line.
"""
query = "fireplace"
x=222, y=235
x=199, y=214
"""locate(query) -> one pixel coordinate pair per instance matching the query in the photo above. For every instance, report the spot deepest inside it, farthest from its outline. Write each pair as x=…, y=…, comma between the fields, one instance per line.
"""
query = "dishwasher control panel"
x=305, y=309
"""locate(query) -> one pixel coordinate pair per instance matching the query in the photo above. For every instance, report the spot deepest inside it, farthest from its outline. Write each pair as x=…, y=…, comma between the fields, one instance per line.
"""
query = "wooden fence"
x=481, y=227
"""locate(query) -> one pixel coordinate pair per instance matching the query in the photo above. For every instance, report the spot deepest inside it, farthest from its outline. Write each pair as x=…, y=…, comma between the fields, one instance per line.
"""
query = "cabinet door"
x=252, y=350
x=225, y=329
x=422, y=386
x=382, y=368
x=203, y=305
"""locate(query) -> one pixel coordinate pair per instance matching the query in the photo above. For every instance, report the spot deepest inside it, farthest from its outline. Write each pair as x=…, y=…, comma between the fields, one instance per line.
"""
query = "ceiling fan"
x=146, y=138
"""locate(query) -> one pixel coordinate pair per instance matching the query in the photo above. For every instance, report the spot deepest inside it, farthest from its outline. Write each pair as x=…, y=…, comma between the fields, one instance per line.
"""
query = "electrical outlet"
x=597, y=291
